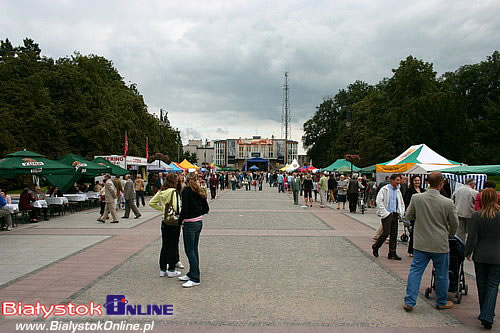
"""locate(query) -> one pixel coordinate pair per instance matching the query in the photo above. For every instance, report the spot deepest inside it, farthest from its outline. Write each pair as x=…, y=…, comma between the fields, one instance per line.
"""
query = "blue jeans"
x=191, y=237
x=487, y=280
x=441, y=262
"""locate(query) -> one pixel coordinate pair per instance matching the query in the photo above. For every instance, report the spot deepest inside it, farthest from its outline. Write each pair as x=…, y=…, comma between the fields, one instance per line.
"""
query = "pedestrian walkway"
x=266, y=265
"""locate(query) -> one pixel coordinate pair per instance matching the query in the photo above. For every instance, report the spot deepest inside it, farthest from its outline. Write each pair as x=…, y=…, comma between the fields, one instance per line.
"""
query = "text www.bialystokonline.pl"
x=72, y=326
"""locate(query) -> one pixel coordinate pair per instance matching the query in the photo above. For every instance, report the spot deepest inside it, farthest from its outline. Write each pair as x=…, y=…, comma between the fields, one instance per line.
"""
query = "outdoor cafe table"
x=76, y=197
x=12, y=208
x=92, y=195
x=56, y=200
x=40, y=204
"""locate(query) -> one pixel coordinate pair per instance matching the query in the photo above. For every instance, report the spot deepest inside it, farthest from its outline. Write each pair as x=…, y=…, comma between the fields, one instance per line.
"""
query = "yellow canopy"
x=285, y=167
x=186, y=165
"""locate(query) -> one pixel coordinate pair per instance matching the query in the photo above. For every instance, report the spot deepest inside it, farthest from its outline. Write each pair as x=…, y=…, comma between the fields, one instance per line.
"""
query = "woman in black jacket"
x=414, y=188
x=484, y=242
x=194, y=205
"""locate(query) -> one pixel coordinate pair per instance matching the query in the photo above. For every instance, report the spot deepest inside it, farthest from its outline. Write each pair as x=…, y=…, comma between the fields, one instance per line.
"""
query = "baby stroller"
x=455, y=271
x=406, y=231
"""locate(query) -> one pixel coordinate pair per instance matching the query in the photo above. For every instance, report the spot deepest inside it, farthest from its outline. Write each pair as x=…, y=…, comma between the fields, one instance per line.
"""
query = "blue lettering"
x=131, y=309
x=168, y=309
x=157, y=310
x=114, y=305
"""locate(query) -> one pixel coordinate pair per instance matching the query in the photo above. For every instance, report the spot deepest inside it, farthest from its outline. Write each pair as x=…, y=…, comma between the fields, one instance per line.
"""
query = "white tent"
x=293, y=166
x=159, y=166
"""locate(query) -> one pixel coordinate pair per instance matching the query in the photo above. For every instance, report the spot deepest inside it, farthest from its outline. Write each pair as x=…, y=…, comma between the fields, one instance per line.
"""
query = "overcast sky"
x=218, y=66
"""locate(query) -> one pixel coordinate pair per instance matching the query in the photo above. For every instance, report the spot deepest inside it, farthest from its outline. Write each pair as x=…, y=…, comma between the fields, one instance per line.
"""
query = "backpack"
x=171, y=216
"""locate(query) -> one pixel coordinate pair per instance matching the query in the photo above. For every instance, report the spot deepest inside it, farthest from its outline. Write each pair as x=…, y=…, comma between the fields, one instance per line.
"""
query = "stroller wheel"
x=459, y=298
x=404, y=237
x=466, y=289
x=427, y=292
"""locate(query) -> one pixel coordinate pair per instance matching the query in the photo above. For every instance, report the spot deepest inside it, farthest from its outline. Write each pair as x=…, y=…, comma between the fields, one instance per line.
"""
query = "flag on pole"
x=147, y=149
x=125, y=148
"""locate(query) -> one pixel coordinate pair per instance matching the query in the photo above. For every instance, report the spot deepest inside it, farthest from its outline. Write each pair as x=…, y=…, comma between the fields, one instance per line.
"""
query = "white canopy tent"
x=159, y=166
x=293, y=166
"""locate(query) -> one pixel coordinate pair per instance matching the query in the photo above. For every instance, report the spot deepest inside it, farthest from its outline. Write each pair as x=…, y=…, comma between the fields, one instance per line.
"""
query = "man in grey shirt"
x=464, y=201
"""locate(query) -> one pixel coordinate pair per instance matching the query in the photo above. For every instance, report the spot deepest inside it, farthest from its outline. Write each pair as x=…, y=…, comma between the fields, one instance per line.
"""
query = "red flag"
x=125, y=148
x=147, y=149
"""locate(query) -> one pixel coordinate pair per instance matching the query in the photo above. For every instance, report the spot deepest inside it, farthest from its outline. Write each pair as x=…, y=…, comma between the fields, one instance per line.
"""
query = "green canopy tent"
x=339, y=164
x=490, y=170
x=82, y=167
x=115, y=170
x=29, y=163
x=369, y=169
x=88, y=168
x=228, y=169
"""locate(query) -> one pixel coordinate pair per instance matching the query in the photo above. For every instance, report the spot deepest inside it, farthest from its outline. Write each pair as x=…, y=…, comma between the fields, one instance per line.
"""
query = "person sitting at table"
x=56, y=192
x=25, y=201
x=39, y=195
x=7, y=197
x=4, y=213
x=97, y=187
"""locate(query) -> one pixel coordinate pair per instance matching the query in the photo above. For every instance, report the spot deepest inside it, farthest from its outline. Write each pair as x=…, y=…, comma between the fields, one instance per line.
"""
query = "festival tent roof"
x=115, y=170
x=285, y=167
x=214, y=166
x=309, y=168
x=257, y=160
x=491, y=170
x=228, y=169
x=203, y=169
x=368, y=169
x=340, y=163
x=175, y=168
x=293, y=166
x=159, y=166
x=178, y=166
x=88, y=168
x=254, y=168
x=416, y=154
x=186, y=165
x=29, y=163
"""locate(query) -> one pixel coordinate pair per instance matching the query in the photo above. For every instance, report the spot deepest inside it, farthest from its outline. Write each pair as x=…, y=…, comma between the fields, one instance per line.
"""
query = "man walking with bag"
x=436, y=221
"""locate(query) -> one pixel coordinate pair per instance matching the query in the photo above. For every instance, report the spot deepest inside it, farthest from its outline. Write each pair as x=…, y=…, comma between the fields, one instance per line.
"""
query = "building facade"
x=235, y=152
x=204, y=152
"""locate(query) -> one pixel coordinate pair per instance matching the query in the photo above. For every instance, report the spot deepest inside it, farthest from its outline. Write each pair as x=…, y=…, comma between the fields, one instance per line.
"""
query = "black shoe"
x=394, y=257
x=137, y=216
x=375, y=252
x=486, y=324
x=124, y=217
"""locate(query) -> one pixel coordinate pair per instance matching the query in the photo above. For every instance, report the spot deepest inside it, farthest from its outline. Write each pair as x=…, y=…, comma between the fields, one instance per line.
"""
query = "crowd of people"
x=434, y=213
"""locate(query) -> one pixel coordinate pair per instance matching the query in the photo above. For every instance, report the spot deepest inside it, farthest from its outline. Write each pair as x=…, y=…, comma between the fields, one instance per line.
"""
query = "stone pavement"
x=266, y=265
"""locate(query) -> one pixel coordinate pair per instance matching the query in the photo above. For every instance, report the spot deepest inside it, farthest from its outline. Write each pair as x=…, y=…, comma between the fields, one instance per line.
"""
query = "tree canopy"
x=457, y=114
x=77, y=104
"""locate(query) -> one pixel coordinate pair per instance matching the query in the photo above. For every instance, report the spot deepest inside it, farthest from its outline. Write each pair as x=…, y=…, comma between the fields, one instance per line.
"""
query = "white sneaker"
x=10, y=229
x=163, y=273
x=184, y=278
x=173, y=274
x=179, y=265
x=190, y=284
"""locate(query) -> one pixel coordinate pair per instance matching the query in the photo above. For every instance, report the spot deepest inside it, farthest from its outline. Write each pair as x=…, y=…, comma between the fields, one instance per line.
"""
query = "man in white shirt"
x=464, y=201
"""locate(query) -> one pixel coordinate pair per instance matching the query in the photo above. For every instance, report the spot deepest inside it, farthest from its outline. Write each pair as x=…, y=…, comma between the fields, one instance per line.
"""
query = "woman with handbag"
x=483, y=243
x=194, y=205
x=167, y=200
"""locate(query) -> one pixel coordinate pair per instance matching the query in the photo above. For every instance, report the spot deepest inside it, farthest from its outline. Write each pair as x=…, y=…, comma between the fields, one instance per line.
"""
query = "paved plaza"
x=266, y=265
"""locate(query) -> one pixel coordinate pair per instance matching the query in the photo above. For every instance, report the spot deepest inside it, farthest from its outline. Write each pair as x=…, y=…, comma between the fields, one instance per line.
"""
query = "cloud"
x=221, y=131
x=220, y=64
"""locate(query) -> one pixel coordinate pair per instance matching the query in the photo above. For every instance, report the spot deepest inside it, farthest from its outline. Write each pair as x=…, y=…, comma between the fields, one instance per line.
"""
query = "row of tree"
x=457, y=115
x=78, y=104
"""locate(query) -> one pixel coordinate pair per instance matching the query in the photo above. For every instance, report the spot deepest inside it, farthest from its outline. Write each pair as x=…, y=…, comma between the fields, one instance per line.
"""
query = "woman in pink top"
x=477, y=202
